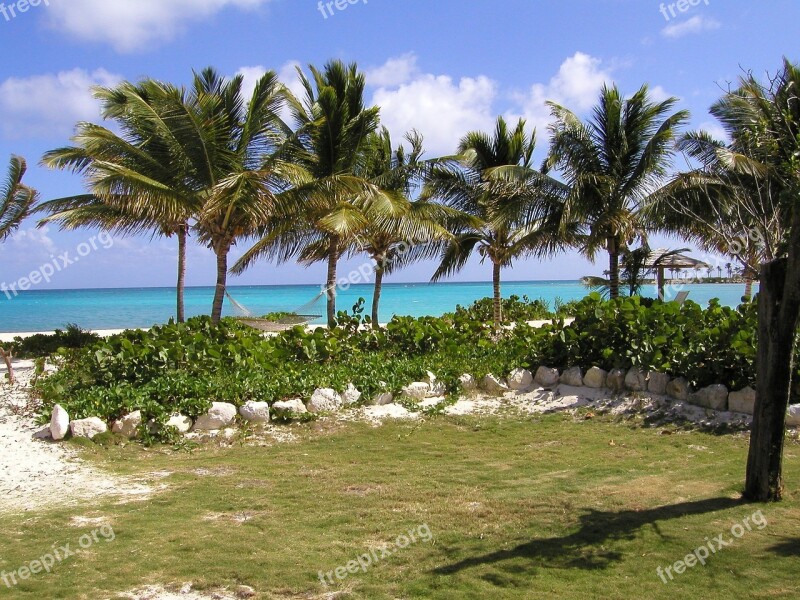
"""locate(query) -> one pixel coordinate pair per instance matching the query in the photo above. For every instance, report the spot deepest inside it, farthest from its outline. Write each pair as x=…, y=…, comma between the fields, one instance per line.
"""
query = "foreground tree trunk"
x=613, y=268
x=376, y=295
x=778, y=312
x=181, y=272
x=222, y=281
x=498, y=298
x=330, y=282
x=7, y=359
x=748, y=288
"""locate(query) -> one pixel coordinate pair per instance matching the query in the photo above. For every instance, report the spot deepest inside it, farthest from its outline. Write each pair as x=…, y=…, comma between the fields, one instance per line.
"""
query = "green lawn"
x=517, y=508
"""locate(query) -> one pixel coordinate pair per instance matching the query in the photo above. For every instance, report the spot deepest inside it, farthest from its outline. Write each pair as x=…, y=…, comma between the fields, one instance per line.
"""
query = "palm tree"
x=222, y=161
x=327, y=212
x=16, y=202
x=611, y=164
x=390, y=242
x=134, y=188
x=492, y=184
x=729, y=269
x=16, y=198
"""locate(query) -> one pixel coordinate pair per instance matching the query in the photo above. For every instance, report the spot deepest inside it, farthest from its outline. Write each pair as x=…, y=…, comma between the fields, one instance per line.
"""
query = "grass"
x=518, y=508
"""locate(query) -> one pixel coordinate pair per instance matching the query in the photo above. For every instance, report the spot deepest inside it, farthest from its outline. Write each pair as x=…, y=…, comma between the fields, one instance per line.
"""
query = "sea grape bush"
x=184, y=367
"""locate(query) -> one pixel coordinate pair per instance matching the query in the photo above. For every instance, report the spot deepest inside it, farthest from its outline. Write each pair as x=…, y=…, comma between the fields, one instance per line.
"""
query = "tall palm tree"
x=391, y=242
x=16, y=198
x=16, y=202
x=134, y=187
x=611, y=164
x=503, y=227
x=325, y=214
x=208, y=155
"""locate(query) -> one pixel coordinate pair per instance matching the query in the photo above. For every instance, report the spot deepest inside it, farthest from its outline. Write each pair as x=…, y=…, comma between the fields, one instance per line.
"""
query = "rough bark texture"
x=181, y=273
x=498, y=299
x=330, y=283
x=376, y=296
x=778, y=311
x=613, y=268
x=7, y=359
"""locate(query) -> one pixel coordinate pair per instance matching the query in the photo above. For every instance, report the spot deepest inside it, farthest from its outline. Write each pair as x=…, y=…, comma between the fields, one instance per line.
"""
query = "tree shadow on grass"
x=585, y=548
x=788, y=547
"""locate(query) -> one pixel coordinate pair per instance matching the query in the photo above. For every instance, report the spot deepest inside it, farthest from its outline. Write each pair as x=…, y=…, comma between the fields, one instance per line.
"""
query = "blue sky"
x=443, y=67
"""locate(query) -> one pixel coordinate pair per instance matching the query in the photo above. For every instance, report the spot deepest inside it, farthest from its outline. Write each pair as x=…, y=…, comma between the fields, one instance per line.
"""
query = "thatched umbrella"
x=662, y=259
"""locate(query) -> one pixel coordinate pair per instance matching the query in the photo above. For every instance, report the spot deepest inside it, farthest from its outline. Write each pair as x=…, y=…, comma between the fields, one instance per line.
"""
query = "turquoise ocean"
x=45, y=310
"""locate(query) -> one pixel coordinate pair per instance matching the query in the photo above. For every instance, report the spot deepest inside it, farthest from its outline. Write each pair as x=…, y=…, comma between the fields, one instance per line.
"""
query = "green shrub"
x=184, y=367
x=42, y=345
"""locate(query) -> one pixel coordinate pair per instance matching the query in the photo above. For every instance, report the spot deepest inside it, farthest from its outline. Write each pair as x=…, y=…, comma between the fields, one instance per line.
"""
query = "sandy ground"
x=36, y=473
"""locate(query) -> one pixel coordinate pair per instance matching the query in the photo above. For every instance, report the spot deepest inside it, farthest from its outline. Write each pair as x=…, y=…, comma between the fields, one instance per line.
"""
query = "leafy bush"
x=184, y=367
x=42, y=345
x=514, y=310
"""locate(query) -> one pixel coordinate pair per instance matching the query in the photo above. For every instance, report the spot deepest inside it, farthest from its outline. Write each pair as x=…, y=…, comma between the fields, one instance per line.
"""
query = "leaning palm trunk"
x=181, y=272
x=376, y=295
x=779, y=313
x=330, y=282
x=748, y=288
x=222, y=281
x=498, y=298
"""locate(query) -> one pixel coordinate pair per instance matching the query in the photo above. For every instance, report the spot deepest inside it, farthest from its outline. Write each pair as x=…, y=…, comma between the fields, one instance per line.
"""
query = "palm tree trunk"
x=498, y=299
x=181, y=271
x=748, y=288
x=222, y=280
x=613, y=268
x=778, y=317
x=376, y=295
x=330, y=283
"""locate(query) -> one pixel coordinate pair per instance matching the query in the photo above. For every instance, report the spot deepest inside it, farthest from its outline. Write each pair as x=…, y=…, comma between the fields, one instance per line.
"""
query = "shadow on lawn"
x=584, y=549
x=788, y=547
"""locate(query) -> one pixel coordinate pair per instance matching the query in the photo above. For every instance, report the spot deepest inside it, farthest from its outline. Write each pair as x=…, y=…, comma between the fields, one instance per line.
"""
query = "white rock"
x=520, y=379
x=219, y=416
x=351, y=395
x=493, y=385
x=657, y=383
x=88, y=428
x=572, y=377
x=288, y=409
x=417, y=391
x=256, y=412
x=636, y=380
x=128, y=426
x=325, y=400
x=546, y=377
x=383, y=399
x=468, y=383
x=59, y=423
x=180, y=422
x=615, y=380
x=714, y=397
x=595, y=378
x=743, y=401
x=793, y=416
x=679, y=389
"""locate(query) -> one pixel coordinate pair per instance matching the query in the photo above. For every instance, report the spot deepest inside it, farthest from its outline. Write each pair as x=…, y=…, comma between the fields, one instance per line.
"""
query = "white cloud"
x=250, y=76
x=576, y=86
x=134, y=25
x=50, y=104
x=394, y=72
x=696, y=24
x=440, y=108
x=716, y=130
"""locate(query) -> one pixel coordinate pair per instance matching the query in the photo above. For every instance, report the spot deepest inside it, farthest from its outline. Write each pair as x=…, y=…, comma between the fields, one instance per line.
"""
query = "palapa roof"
x=657, y=259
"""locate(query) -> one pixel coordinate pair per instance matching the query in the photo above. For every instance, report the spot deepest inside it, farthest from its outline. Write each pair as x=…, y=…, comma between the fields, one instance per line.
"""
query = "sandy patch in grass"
x=35, y=473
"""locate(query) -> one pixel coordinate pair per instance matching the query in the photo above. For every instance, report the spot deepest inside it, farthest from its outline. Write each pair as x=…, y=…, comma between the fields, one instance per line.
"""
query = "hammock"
x=293, y=319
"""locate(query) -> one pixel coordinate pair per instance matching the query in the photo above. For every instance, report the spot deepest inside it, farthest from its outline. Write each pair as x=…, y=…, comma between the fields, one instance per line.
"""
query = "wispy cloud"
x=130, y=26
x=696, y=24
x=49, y=105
